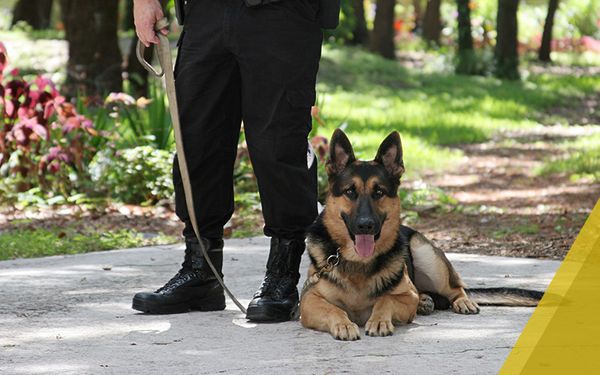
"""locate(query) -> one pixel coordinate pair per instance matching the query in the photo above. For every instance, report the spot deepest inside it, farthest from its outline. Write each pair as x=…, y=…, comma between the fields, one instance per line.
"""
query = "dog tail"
x=494, y=297
x=505, y=296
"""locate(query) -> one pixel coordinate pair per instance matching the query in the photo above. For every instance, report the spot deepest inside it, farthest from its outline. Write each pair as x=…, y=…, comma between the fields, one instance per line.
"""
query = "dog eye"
x=350, y=192
x=378, y=193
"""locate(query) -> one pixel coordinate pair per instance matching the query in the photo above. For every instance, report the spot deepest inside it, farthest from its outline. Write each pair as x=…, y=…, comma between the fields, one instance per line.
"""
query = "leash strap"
x=164, y=57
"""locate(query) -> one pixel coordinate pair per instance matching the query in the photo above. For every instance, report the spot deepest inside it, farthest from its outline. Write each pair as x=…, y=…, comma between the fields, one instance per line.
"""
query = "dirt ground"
x=505, y=208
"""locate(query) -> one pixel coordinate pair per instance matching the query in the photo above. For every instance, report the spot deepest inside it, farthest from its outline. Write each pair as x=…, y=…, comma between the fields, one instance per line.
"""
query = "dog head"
x=362, y=211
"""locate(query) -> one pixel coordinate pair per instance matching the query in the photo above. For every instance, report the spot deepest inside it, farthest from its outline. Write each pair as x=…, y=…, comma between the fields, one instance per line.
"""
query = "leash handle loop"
x=141, y=49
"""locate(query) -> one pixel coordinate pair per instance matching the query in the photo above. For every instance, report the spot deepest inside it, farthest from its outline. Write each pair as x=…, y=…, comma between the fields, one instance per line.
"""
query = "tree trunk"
x=94, y=66
x=382, y=39
x=546, y=46
x=466, y=63
x=417, y=15
x=432, y=23
x=360, y=33
x=35, y=12
x=507, y=54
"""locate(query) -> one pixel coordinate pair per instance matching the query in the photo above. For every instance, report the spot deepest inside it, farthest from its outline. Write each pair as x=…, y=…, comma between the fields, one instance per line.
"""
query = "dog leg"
x=434, y=273
x=399, y=306
x=390, y=309
x=317, y=313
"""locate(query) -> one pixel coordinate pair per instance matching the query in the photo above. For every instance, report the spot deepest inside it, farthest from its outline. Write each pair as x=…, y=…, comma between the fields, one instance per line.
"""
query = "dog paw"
x=379, y=328
x=426, y=305
x=346, y=332
x=463, y=305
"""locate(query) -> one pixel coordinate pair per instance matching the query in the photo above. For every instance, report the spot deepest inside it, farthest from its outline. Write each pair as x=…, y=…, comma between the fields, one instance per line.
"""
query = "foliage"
x=29, y=243
x=584, y=16
x=44, y=141
x=136, y=175
x=343, y=33
x=142, y=121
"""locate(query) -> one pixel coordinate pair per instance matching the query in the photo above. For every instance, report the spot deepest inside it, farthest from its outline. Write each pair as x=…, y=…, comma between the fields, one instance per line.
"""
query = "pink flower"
x=120, y=97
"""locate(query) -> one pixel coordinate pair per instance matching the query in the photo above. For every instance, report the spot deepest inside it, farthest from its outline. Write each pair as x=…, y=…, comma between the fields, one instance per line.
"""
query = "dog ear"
x=340, y=153
x=390, y=155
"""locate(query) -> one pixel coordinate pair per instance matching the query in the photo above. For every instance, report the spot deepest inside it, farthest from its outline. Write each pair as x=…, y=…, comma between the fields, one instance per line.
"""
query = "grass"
x=30, y=243
x=372, y=97
x=518, y=229
x=582, y=160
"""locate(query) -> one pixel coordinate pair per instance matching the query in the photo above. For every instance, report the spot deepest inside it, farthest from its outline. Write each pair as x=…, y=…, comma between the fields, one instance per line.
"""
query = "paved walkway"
x=72, y=315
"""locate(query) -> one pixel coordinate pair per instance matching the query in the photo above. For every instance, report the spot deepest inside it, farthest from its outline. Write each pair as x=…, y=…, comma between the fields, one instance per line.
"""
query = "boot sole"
x=266, y=314
x=212, y=303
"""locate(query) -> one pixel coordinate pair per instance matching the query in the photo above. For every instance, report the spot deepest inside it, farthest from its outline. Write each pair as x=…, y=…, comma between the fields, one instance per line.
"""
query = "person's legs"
x=278, y=47
x=209, y=97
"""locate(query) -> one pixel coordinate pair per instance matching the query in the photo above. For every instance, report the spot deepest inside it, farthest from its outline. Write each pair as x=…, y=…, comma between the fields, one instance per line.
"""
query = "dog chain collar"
x=331, y=262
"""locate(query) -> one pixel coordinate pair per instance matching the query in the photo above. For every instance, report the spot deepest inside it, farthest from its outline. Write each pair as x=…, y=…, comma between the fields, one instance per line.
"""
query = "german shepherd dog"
x=367, y=269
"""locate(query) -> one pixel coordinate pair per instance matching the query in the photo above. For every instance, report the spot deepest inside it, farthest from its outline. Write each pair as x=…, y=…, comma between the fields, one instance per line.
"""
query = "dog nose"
x=365, y=225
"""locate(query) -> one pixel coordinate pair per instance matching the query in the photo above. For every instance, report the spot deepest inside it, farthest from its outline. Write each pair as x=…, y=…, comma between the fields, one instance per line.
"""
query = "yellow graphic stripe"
x=563, y=334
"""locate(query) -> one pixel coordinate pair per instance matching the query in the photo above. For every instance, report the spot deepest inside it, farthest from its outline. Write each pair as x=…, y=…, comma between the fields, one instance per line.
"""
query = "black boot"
x=278, y=295
x=194, y=287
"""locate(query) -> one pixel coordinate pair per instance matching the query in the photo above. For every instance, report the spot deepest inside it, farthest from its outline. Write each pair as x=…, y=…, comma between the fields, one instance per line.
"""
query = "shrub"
x=143, y=121
x=44, y=141
x=136, y=175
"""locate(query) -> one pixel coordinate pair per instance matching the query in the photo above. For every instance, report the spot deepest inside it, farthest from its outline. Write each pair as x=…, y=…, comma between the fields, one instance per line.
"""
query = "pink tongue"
x=364, y=244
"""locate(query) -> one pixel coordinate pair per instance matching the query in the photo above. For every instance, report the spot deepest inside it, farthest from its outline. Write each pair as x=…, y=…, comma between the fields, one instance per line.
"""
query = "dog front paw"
x=379, y=327
x=463, y=305
x=347, y=331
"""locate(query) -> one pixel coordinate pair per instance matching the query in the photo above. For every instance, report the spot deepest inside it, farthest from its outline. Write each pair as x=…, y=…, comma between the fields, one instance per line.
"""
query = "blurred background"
x=496, y=102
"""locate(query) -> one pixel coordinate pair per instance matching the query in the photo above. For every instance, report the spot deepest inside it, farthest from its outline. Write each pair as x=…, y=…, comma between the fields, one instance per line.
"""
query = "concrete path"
x=72, y=315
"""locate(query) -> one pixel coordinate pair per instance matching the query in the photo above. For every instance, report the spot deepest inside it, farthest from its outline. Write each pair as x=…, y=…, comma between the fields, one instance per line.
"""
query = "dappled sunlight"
x=51, y=368
x=85, y=332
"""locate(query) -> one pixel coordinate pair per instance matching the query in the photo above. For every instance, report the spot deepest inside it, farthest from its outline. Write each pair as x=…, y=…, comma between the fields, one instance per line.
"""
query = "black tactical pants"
x=258, y=65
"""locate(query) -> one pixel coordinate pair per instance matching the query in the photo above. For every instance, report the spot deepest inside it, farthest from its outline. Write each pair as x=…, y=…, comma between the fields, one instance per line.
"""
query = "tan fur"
x=326, y=307
x=434, y=273
x=334, y=222
x=337, y=229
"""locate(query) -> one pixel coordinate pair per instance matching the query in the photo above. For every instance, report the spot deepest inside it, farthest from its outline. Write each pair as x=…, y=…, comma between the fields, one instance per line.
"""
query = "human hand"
x=145, y=14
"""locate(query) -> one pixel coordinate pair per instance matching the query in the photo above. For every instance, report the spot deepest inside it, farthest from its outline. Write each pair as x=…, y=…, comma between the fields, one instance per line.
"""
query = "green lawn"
x=583, y=160
x=31, y=243
x=374, y=96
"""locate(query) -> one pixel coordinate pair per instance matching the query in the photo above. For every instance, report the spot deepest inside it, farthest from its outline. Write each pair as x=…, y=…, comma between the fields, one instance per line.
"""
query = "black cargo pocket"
x=301, y=101
x=301, y=98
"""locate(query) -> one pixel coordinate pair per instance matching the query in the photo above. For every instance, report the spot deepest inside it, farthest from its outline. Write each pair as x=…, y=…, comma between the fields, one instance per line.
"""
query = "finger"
x=164, y=31
x=154, y=39
x=143, y=40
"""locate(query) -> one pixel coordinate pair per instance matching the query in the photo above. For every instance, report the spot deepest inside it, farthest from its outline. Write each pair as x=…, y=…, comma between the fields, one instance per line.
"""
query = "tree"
x=360, y=33
x=35, y=12
x=94, y=66
x=382, y=38
x=546, y=46
x=432, y=22
x=417, y=14
x=466, y=63
x=506, y=53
